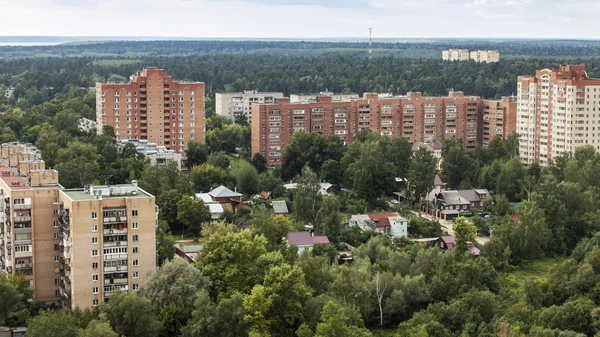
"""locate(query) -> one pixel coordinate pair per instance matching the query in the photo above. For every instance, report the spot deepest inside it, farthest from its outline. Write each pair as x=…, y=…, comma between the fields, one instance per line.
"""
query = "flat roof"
x=80, y=195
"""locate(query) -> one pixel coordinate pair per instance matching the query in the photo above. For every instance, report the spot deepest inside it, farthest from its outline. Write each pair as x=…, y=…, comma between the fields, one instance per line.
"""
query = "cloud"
x=77, y=3
x=319, y=3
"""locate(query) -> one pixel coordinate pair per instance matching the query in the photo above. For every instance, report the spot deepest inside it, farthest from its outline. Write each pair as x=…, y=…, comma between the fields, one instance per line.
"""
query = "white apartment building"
x=558, y=110
x=487, y=56
x=231, y=103
x=313, y=98
x=455, y=55
x=158, y=155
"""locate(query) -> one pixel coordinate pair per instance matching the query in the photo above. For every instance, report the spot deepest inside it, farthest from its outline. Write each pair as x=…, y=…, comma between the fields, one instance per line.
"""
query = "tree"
x=421, y=174
x=165, y=242
x=235, y=261
x=273, y=227
x=52, y=323
x=331, y=172
x=457, y=165
x=219, y=159
x=98, y=328
x=307, y=198
x=77, y=164
x=336, y=323
x=224, y=320
x=10, y=297
x=277, y=304
x=464, y=232
x=509, y=182
x=329, y=217
x=205, y=176
x=246, y=177
x=115, y=78
x=191, y=212
x=131, y=315
x=196, y=153
x=260, y=162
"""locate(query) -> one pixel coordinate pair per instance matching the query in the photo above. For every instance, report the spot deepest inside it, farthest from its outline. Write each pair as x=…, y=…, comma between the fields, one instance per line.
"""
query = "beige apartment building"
x=108, y=242
x=499, y=118
x=229, y=104
x=74, y=247
x=154, y=107
x=455, y=55
x=558, y=110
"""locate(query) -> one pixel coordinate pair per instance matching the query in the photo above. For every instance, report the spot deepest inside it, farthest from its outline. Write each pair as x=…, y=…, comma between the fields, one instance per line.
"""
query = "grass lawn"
x=530, y=270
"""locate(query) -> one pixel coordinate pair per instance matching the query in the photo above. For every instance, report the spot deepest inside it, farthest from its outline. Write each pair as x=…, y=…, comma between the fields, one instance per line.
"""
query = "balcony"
x=64, y=293
x=110, y=289
x=22, y=218
x=116, y=269
x=115, y=219
x=60, y=247
x=23, y=242
x=118, y=256
x=115, y=281
x=22, y=206
x=115, y=231
x=115, y=244
x=22, y=266
x=23, y=254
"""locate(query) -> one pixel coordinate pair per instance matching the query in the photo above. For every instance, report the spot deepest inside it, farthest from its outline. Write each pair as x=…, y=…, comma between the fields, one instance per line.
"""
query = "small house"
x=220, y=199
x=449, y=242
x=388, y=223
x=451, y=203
x=305, y=240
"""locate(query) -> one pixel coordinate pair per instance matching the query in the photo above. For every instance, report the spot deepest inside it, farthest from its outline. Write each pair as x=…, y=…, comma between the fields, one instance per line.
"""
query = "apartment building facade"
x=108, y=242
x=499, y=118
x=29, y=220
x=487, y=56
x=154, y=107
x=558, y=110
x=415, y=117
x=230, y=104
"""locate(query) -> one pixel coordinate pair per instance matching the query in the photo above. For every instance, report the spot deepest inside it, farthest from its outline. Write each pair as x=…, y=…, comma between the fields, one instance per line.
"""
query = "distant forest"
x=289, y=66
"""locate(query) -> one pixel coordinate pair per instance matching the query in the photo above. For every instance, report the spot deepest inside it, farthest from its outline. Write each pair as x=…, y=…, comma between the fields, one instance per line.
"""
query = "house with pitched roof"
x=220, y=199
x=305, y=240
x=449, y=242
x=449, y=204
x=391, y=223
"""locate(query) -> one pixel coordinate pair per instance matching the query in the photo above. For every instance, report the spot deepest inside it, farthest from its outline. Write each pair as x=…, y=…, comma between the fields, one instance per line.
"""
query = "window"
x=94, y=215
x=94, y=265
x=134, y=238
x=95, y=241
x=56, y=281
x=94, y=252
x=95, y=302
x=55, y=236
x=56, y=292
x=95, y=290
x=134, y=225
x=55, y=224
x=94, y=228
x=135, y=263
x=94, y=277
x=136, y=274
x=135, y=250
x=56, y=259
x=134, y=212
x=55, y=212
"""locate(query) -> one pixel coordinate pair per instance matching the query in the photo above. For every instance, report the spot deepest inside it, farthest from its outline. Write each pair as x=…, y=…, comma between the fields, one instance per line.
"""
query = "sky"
x=302, y=18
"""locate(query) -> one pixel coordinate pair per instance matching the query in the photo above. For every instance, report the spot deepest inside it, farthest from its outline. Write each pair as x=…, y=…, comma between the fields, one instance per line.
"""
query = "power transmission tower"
x=370, y=42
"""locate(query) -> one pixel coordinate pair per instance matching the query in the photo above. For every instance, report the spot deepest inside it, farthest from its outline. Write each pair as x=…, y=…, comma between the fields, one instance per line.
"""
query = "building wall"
x=229, y=103
x=499, y=118
x=414, y=117
x=154, y=107
x=80, y=258
x=556, y=113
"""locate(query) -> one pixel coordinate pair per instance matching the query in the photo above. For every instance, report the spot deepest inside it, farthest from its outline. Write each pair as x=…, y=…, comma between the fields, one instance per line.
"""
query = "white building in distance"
x=487, y=56
x=158, y=155
x=229, y=104
x=308, y=98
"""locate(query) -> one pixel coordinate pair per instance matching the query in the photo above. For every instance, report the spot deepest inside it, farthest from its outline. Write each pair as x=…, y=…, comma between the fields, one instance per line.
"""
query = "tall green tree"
x=131, y=315
x=196, y=153
x=192, y=212
x=307, y=198
x=421, y=174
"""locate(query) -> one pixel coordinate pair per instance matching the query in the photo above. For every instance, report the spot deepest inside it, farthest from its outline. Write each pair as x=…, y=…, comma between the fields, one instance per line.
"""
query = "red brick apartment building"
x=415, y=117
x=154, y=107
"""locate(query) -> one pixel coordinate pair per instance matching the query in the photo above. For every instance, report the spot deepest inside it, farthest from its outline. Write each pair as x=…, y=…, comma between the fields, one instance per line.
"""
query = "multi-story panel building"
x=28, y=220
x=558, y=110
x=487, y=56
x=230, y=104
x=499, y=118
x=307, y=98
x=108, y=242
x=158, y=155
x=415, y=117
x=154, y=107
x=455, y=55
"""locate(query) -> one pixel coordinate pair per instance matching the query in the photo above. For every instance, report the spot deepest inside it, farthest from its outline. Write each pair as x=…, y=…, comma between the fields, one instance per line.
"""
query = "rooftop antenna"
x=370, y=43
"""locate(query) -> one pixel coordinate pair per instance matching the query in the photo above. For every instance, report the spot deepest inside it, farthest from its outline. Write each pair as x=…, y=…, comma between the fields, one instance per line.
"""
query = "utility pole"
x=370, y=43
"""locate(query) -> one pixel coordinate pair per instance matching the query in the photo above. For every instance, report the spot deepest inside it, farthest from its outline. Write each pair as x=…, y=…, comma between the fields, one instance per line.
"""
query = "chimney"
x=134, y=183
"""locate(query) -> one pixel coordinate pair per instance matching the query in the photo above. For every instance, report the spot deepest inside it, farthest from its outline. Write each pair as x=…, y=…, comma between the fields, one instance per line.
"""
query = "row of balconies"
x=115, y=219
x=114, y=243
x=115, y=281
x=115, y=231
x=116, y=269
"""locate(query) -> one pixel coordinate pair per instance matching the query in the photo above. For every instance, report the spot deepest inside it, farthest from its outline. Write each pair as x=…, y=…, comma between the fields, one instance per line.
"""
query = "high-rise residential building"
x=230, y=104
x=74, y=247
x=499, y=118
x=108, y=242
x=486, y=56
x=414, y=116
x=29, y=220
x=558, y=110
x=154, y=107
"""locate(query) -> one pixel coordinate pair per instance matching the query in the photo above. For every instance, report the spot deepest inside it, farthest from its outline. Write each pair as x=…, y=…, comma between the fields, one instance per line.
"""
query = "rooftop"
x=280, y=207
x=82, y=194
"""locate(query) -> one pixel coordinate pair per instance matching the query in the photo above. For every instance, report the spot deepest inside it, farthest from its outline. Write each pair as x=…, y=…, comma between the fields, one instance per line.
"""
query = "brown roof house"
x=305, y=240
x=449, y=242
x=220, y=199
x=388, y=223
